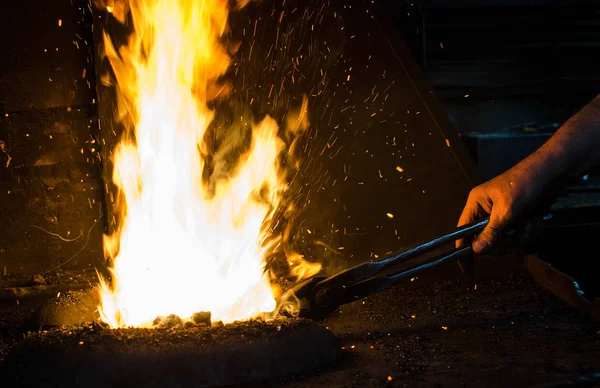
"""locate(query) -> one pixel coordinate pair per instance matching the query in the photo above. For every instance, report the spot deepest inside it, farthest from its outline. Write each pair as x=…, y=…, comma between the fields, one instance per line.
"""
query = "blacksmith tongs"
x=320, y=296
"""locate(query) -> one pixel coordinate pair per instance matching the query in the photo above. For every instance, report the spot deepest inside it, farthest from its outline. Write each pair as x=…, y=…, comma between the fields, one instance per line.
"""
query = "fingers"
x=471, y=212
x=490, y=235
x=468, y=215
x=504, y=198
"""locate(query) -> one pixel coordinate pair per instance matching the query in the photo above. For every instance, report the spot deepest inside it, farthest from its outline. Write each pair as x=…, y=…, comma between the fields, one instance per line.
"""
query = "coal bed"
x=434, y=331
x=91, y=355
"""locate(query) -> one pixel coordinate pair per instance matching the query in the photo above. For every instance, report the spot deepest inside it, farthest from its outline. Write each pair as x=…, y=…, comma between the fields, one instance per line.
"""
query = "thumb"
x=489, y=236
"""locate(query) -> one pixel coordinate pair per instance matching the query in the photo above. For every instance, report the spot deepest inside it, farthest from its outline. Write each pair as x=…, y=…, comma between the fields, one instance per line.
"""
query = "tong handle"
x=449, y=237
x=380, y=283
x=367, y=270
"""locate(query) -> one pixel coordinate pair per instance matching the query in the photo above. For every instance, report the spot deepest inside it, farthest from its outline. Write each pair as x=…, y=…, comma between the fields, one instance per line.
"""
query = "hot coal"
x=169, y=322
x=91, y=355
x=201, y=318
x=174, y=321
x=81, y=306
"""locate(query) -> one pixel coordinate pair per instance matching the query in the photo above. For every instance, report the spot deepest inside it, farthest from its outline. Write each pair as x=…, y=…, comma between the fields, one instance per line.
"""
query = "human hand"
x=504, y=198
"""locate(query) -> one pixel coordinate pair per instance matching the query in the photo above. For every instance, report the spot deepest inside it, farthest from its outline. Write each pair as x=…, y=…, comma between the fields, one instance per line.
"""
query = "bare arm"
x=573, y=148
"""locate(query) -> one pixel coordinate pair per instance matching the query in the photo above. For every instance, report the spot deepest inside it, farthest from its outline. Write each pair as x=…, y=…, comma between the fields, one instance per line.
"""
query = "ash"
x=168, y=330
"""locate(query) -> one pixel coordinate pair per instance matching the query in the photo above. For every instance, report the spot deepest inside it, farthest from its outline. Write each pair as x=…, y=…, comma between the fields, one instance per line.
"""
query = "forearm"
x=573, y=148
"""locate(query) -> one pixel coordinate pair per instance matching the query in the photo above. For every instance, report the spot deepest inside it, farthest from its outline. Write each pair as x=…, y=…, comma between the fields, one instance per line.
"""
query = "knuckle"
x=474, y=194
x=476, y=190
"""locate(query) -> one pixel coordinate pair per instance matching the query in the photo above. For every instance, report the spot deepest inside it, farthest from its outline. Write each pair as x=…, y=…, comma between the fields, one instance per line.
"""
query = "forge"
x=170, y=171
x=96, y=356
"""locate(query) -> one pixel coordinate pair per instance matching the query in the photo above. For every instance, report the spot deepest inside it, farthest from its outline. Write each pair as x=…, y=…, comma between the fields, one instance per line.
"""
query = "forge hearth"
x=92, y=355
x=434, y=331
x=378, y=168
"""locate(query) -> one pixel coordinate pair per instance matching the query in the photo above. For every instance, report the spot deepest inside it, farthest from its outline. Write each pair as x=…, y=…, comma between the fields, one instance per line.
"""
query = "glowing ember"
x=185, y=244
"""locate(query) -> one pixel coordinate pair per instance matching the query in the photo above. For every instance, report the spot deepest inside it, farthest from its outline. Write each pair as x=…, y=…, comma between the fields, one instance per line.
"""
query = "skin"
x=507, y=198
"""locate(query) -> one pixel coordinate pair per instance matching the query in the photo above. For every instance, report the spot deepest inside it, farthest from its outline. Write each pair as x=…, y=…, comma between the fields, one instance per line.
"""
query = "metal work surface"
x=505, y=332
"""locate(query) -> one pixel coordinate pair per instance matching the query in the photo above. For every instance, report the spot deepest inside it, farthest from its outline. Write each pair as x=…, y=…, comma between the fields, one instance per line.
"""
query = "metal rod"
x=369, y=269
x=378, y=284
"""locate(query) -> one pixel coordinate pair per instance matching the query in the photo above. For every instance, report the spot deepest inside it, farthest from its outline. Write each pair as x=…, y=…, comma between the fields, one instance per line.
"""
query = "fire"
x=185, y=244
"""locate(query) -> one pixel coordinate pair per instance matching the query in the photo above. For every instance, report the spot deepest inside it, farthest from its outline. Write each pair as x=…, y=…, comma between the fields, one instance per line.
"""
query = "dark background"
x=521, y=63
x=508, y=72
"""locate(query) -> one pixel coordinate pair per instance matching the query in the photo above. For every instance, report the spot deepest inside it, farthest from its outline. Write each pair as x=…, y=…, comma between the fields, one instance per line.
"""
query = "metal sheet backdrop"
x=381, y=166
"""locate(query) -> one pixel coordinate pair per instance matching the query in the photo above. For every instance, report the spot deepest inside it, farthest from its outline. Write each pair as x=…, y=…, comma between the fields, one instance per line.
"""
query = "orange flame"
x=180, y=250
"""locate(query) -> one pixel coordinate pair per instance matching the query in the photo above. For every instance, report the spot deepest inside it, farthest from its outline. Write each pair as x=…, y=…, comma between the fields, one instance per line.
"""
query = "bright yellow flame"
x=180, y=250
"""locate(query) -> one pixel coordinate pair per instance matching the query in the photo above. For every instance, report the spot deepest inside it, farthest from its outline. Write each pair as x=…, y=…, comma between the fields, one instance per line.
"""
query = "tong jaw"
x=320, y=296
x=313, y=299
